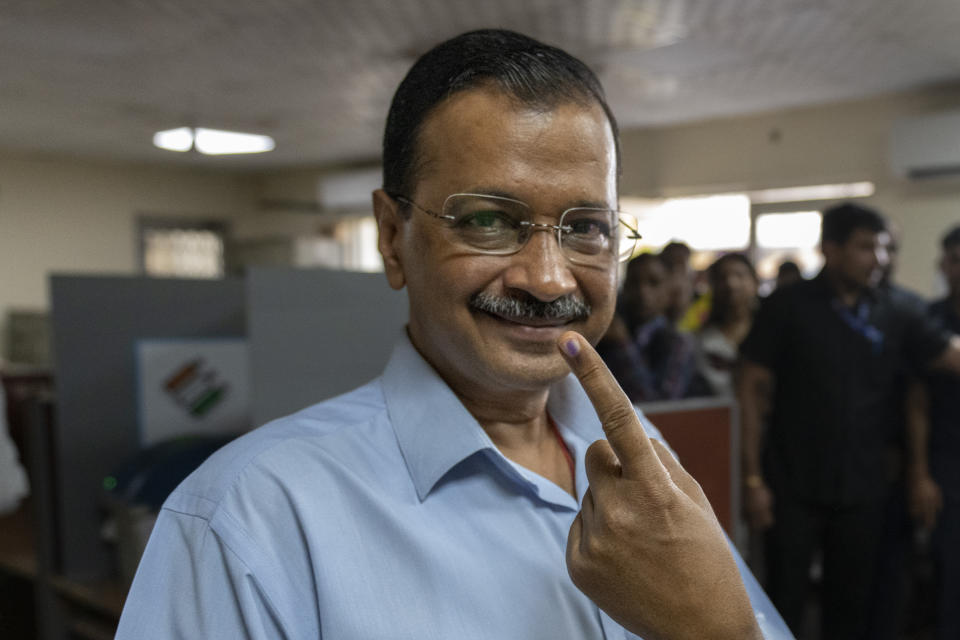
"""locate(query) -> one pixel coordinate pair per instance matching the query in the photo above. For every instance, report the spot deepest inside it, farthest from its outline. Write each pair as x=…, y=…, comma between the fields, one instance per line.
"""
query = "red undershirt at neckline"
x=566, y=452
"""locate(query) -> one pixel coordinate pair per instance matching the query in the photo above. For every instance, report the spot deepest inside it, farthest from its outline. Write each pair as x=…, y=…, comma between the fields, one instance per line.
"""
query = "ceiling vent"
x=926, y=146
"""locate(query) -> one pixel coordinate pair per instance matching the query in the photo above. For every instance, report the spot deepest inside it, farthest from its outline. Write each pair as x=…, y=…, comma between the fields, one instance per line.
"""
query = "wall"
x=71, y=215
x=839, y=143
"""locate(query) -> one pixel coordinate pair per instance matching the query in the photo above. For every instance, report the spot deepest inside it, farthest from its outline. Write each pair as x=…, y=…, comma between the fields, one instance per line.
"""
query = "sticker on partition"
x=192, y=387
x=197, y=387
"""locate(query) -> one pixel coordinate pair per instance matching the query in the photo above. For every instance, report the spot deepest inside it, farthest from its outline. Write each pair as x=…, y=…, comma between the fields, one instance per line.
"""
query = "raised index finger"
x=617, y=415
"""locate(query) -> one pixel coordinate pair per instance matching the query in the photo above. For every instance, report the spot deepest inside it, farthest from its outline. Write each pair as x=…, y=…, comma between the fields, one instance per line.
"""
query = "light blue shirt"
x=383, y=513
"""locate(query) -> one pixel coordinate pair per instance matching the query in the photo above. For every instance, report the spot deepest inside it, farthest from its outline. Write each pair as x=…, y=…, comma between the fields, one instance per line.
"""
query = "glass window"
x=182, y=249
x=788, y=236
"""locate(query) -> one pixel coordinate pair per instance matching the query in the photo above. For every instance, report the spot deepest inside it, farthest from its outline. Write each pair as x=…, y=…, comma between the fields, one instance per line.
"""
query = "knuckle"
x=659, y=498
x=618, y=418
x=593, y=373
x=618, y=519
x=597, y=454
x=621, y=413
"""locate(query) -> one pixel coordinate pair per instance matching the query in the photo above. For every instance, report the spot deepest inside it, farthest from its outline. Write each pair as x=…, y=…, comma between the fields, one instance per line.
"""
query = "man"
x=900, y=293
x=436, y=501
x=935, y=476
x=787, y=273
x=830, y=351
x=647, y=355
x=676, y=258
x=891, y=583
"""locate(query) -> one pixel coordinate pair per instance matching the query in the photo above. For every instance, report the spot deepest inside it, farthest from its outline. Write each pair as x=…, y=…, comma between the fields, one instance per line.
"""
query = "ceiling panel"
x=100, y=76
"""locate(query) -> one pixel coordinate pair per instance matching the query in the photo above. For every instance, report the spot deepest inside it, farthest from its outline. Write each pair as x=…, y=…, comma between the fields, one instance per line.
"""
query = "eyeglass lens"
x=501, y=225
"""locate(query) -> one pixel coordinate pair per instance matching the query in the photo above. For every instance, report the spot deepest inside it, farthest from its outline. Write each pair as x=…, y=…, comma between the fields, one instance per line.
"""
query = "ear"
x=390, y=225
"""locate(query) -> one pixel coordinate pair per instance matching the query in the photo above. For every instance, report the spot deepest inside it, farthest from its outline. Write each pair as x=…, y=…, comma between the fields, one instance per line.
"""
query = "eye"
x=486, y=220
x=588, y=227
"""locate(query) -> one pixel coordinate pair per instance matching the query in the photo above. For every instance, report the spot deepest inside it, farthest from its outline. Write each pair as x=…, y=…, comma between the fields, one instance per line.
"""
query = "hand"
x=646, y=547
x=758, y=506
x=926, y=500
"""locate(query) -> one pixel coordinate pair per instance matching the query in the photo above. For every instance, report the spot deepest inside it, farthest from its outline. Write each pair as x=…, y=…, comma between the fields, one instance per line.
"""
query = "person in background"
x=676, y=259
x=787, y=273
x=887, y=281
x=828, y=352
x=646, y=353
x=892, y=583
x=733, y=286
x=935, y=474
x=14, y=485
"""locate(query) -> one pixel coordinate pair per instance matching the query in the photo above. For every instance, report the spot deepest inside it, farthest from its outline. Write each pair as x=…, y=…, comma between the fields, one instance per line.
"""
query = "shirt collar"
x=435, y=431
x=822, y=284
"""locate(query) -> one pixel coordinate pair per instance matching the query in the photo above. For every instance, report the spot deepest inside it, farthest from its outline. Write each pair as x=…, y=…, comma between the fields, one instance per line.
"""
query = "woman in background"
x=733, y=283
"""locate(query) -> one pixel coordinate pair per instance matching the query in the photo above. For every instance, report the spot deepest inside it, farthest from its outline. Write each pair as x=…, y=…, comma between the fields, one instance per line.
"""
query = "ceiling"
x=99, y=77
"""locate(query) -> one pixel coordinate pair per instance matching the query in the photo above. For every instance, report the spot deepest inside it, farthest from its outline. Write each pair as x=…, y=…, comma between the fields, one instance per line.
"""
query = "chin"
x=523, y=370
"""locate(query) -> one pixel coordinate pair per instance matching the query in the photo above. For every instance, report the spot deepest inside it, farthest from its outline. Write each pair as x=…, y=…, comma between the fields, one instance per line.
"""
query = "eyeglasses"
x=502, y=226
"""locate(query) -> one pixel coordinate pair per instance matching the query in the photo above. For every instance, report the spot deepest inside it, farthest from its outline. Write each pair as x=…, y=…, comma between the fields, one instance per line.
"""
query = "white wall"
x=71, y=215
x=840, y=143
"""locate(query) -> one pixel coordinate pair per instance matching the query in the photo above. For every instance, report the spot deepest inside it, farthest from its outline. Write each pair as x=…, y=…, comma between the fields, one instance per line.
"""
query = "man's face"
x=735, y=283
x=950, y=266
x=860, y=261
x=481, y=141
x=646, y=291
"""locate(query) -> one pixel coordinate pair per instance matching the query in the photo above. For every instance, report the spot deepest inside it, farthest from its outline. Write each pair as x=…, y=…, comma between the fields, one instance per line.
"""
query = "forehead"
x=862, y=236
x=483, y=139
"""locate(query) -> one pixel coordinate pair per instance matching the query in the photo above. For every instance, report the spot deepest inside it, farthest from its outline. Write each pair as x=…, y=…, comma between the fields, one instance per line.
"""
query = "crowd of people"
x=848, y=388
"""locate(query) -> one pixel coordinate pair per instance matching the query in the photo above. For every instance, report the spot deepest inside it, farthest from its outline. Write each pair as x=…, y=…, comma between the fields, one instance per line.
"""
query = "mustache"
x=524, y=306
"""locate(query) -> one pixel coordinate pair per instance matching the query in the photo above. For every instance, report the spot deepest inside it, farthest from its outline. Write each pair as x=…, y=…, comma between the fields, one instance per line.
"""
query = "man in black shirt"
x=936, y=479
x=827, y=353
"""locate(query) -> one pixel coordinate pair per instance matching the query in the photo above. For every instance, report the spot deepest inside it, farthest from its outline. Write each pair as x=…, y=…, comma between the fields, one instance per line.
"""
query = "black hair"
x=840, y=221
x=788, y=267
x=951, y=239
x=676, y=247
x=635, y=263
x=713, y=271
x=533, y=73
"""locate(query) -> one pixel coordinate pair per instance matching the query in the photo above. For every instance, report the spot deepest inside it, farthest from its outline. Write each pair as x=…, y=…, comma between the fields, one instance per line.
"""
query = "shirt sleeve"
x=768, y=618
x=192, y=584
x=924, y=340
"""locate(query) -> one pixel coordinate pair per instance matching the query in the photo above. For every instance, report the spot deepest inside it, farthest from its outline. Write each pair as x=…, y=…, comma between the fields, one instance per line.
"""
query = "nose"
x=540, y=268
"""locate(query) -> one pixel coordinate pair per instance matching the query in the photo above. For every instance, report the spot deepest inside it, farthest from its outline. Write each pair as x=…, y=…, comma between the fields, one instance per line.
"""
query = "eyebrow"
x=490, y=191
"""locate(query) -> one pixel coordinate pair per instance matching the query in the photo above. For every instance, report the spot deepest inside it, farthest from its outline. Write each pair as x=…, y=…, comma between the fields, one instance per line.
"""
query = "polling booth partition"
x=141, y=364
x=705, y=434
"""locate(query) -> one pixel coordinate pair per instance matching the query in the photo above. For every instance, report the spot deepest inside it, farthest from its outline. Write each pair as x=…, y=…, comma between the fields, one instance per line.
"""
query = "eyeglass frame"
x=529, y=224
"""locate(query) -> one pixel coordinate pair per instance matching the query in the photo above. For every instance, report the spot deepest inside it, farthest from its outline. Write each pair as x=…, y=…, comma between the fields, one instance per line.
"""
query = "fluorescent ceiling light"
x=814, y=192
x=212, y=141
x=720, y=222
x=800, y=229
x=174, y=139
x=215, y=142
